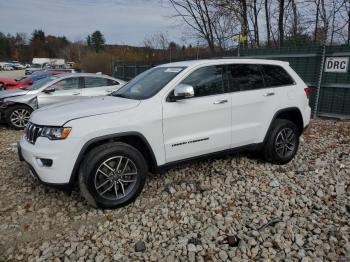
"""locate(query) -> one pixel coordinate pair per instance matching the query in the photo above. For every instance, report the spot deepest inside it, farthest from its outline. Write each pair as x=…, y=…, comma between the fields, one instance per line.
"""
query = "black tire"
x=90, y=174
x=272, y=151
x=10, y=114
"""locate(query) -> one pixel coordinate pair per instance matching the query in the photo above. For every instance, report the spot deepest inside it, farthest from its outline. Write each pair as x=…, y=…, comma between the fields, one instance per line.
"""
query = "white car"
x=16, y=105
x=34, y=68
x=164, y=116
x=18, y=66
x=7, y=68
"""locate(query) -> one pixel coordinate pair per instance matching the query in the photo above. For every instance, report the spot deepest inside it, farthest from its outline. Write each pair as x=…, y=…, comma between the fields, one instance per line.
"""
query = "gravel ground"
x=232, y=208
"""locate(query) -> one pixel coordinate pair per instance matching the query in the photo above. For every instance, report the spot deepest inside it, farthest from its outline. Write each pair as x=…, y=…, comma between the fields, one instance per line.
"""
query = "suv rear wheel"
x=282, y=142
x=112, y=175
x=18, y=116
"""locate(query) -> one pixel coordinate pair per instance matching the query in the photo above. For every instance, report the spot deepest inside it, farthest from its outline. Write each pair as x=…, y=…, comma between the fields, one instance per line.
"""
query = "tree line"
x=85, y=52
x=210, y=25
x=23, y=48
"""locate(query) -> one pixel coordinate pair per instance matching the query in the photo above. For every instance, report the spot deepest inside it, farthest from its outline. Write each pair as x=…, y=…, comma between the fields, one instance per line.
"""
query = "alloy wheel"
x=285, y=142
x=116, y=177
x=20, y=117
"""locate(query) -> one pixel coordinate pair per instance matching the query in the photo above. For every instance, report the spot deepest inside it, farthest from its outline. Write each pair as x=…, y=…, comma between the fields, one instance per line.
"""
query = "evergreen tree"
x=38, y=35
x=88, y=40
x=97, y=41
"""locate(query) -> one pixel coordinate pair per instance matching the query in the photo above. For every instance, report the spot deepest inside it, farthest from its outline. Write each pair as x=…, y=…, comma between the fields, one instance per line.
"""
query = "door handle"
x=269, y=94
x=222, y=101
x=76, y=93
x=109, y=91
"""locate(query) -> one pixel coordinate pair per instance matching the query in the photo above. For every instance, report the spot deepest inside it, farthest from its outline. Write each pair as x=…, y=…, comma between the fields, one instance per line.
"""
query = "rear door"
x=98, y=86
x=279, y=79
x=66, y=89
x=201, y=124
x=253, y=103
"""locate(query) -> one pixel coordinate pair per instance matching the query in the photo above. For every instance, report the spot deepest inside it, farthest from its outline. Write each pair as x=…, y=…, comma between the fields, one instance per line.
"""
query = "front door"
x=201, y=124
x=63, y=90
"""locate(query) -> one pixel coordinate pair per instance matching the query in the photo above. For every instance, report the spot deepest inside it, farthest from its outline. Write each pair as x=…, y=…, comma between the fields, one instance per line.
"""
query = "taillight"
x=307, y=91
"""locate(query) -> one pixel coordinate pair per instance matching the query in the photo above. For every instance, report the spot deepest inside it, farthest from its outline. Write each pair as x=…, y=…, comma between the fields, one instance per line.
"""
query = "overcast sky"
x=121, y=21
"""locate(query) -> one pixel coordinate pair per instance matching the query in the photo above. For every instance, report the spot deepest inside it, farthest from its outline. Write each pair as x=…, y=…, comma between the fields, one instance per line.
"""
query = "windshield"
x=148, y=83
x=38, y=84
x=35, y=66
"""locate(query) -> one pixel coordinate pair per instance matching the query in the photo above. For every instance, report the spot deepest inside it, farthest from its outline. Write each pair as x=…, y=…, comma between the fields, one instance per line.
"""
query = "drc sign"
x=336, y=64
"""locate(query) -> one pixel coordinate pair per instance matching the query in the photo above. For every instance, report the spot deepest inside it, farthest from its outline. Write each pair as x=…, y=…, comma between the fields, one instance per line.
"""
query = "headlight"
x=55, y=133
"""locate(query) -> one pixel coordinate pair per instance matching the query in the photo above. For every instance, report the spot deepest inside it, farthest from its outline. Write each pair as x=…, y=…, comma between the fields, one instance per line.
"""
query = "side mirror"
x=49, y=90
x=183, y=91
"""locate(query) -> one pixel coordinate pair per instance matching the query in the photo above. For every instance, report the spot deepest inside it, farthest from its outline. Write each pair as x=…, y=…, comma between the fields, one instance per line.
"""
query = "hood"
x=59, y=114
x=12, y=93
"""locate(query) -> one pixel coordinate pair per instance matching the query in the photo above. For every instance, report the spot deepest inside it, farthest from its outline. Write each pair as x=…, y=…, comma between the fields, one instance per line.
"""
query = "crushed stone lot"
x=231, y=208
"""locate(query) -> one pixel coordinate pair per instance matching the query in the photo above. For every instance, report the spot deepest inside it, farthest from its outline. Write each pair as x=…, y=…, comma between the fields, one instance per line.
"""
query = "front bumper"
x=62, y=154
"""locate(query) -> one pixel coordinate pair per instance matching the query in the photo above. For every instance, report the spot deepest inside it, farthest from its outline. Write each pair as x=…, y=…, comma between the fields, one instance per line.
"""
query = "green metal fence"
x=334, y=87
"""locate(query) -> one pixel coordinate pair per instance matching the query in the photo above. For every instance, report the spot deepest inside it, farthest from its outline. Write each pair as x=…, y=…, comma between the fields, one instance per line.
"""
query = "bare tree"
x=295, y=18
x=280, y=23
x=329, y=10
x=348, y=22
x=267, y=19
x=238, y=11
x=158, y=40
x=224, y=28
x=197, y=15
x=244, y=17
x=256, y=8
x=317, y=18
x=347, y=19
x=216, y=21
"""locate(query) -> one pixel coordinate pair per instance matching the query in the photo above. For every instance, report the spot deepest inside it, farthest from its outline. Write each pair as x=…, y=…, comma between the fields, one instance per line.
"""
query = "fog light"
x=46, y=161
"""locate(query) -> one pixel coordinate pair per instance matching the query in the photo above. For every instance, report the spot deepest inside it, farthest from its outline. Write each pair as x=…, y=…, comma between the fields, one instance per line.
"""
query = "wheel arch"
x=134, y=139
x=31, y=104
x=292, y=114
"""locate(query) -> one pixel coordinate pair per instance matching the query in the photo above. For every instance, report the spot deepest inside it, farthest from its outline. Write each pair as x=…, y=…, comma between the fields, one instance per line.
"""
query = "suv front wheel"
x=112, y=175
x=282, y=142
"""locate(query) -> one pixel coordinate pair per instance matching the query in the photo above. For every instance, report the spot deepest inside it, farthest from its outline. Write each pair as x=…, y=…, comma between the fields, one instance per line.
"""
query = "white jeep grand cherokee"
x=168, y=114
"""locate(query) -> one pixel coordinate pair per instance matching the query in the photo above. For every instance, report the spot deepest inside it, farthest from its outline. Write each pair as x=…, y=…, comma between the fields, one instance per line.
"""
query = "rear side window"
x=95, y=82
x=276, y=76
x=111, y=82
x=207, y=80
x=244, y=77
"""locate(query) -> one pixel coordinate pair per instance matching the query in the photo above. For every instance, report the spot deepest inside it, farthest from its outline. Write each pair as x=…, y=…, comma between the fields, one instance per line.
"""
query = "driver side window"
x=66, y=84
x=206, y=81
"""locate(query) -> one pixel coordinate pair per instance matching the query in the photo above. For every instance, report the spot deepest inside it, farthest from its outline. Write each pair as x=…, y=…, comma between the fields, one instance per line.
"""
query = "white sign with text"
x=336, y=64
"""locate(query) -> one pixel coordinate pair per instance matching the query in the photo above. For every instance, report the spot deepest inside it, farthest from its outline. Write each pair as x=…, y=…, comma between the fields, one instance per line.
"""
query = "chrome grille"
x=32, y=132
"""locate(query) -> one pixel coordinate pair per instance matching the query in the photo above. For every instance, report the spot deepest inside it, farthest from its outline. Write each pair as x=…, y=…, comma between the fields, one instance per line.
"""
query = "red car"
x=8, y=83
